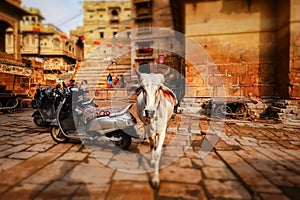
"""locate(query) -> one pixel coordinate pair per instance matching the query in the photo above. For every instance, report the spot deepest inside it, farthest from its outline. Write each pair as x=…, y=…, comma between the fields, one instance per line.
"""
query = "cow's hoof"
x=155, y=182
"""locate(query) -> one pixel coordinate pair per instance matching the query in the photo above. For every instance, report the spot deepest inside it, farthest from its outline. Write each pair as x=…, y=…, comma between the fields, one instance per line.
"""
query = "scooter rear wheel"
x=57, y=135
x=125, y=142
x=34, y=104
x=38, y=120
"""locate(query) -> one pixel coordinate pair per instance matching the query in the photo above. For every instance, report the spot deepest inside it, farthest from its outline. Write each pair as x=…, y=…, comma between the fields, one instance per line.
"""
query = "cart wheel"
x=12, y=103
x=242, y=110
x=222, y=110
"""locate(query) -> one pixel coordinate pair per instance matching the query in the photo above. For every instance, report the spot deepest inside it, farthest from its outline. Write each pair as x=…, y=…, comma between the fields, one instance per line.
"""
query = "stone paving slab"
x=252, y=160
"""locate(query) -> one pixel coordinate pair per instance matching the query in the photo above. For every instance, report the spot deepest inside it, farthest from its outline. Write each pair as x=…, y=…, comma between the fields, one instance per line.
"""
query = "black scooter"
x=46, y=103
x=76, y=122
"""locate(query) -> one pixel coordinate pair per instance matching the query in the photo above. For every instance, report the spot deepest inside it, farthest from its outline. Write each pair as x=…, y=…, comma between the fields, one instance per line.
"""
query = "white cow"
x=155, y=103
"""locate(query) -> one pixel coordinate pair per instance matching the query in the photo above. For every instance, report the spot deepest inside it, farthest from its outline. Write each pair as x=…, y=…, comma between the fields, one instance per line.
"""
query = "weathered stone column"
x=294, y=69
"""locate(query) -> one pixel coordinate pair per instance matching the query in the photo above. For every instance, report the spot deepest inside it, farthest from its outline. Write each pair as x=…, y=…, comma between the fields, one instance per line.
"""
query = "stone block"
x=55, y=191
x=250, y=57
x=196, y=69
x=233, y=91
x=91, y=191
x=266, y=90
x=220, y=173
x=57, y=168
x=237, y=69
x=226, y=189
x=251, y=91
x=295, y=91
x=178, y=174
x=248, y=80
x=26, y=168
x=247, y=172
x=101, y=94
x=92, y=174
x=23, y=155
x=195, y=80
x=198, y=91
x=215, y=81
x=181, y=191
x=213, y=69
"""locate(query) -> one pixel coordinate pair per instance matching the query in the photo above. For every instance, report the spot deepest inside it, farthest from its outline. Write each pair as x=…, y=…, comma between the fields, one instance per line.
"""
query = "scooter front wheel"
x=125, y=142
x=57, y=135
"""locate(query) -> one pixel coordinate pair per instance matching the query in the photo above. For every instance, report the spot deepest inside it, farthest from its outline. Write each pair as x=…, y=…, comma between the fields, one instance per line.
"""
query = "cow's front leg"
x=146, y=137
x=160, y=137
x=152, y=144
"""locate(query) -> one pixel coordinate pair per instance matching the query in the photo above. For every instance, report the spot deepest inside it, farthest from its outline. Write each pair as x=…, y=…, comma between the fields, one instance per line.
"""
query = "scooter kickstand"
x=81, y=146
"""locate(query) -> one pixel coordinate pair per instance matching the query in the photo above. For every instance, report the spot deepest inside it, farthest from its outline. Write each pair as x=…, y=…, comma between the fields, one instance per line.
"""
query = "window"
x=27, y=39
x=101, y=34
x=114, y=13
x=32, y=39
x=56, y=43
x=9, y=39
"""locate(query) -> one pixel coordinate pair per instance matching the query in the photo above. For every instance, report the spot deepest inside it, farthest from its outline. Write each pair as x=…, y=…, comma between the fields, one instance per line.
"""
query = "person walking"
x=116, y=80
x=122, y=81
x=83, y=87
x=109, y=80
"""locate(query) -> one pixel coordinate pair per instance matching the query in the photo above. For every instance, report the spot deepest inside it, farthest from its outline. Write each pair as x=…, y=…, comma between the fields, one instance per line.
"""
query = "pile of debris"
x=287, y=111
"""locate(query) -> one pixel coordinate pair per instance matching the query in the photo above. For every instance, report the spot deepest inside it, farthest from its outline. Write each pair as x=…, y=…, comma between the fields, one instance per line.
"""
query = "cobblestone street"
x=252, y=160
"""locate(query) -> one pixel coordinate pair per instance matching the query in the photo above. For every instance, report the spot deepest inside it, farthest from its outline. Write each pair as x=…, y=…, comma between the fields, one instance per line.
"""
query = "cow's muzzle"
x=149, y=113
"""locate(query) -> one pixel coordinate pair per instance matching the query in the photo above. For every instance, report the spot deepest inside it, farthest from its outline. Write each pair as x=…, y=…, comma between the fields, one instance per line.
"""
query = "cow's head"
x=151, y=85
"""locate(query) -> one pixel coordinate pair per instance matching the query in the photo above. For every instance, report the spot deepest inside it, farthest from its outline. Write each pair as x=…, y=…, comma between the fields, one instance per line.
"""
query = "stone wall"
x=248, y=42
x=294, y=69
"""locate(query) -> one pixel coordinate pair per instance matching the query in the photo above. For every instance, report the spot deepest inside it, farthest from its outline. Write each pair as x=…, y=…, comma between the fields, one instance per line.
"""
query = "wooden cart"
x=10, y=103
x=222, y=107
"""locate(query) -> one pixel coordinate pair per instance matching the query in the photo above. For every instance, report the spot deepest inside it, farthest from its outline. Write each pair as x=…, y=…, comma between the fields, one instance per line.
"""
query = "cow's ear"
x=169, y=94
x=135, y=89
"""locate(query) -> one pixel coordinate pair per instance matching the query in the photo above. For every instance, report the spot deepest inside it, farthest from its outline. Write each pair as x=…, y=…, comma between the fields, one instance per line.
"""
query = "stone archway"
x=3, y=27
x=145, y=67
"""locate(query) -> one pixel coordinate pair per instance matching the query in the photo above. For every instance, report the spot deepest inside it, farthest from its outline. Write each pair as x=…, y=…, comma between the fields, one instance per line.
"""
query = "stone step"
x=96, y=74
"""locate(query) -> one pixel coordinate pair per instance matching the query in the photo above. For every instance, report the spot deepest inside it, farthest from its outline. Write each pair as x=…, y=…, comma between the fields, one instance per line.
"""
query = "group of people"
x=82, y=86
x=119, y=82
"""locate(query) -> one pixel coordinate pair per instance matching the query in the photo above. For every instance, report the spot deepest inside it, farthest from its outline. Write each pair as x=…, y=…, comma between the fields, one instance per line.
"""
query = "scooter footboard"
x=108, y=124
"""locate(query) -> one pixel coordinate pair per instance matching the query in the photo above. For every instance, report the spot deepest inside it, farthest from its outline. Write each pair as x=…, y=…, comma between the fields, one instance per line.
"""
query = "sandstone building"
x=102, y=20
x=14, y=75
x=155, y=47
x=57, y=55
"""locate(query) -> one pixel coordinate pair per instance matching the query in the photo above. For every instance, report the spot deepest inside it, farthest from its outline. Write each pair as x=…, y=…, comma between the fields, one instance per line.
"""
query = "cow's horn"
x=167, y=72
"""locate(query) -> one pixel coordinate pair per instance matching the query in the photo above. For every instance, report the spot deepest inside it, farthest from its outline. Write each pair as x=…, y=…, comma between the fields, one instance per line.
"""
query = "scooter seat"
x=114, y=114
x=90, y=113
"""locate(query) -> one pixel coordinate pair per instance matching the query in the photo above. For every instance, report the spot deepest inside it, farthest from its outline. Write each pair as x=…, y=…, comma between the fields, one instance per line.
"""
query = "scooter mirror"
x=64, y=85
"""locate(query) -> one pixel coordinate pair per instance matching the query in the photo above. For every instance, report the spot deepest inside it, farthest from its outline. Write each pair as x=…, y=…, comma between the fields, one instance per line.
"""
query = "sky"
x=64, y=14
